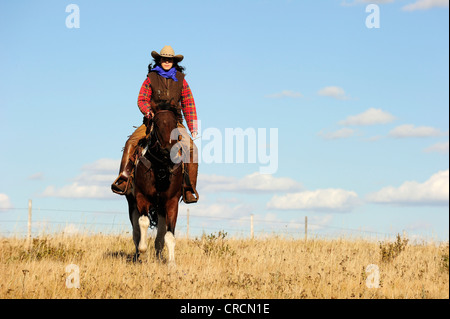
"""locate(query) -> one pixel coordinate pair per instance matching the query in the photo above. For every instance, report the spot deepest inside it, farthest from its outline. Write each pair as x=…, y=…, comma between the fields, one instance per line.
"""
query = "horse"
x=157, y=184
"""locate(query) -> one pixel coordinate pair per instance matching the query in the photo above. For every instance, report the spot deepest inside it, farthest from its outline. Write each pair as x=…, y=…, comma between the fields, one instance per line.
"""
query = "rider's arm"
x=188, y=107
x=144, y=97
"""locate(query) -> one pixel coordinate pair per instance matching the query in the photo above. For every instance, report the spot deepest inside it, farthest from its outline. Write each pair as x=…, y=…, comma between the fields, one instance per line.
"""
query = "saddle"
x=144, y=156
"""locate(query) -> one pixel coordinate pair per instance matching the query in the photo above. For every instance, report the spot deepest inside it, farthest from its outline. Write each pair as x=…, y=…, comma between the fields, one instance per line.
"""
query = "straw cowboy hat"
x=167, y=52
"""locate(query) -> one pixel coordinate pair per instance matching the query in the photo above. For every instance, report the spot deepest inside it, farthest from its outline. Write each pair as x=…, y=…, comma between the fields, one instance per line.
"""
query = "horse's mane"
x=162, y=106
x=167, y=106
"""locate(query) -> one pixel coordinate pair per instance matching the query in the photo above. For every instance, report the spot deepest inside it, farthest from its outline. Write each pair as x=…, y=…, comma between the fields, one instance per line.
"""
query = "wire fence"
x=188, y=224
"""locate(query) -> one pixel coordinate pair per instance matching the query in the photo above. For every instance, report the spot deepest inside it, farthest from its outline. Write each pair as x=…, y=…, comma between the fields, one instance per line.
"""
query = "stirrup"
x=187, y=186
x=115, y=188
x=193, y=191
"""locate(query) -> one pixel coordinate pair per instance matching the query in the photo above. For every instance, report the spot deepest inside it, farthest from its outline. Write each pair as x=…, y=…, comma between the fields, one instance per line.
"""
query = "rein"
x=154, y=149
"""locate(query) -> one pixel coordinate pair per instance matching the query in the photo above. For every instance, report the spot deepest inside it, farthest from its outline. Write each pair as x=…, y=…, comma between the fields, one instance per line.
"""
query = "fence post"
x=251, y=226
x=187, y=229
x=306, y=228
x=29, y=224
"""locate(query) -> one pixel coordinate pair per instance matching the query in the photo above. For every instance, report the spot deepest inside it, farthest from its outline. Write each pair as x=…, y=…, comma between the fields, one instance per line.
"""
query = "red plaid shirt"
x=187, y=103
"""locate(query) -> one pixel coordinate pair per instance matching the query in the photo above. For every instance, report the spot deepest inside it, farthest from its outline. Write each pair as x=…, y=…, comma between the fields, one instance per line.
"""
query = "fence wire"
x=198, y=224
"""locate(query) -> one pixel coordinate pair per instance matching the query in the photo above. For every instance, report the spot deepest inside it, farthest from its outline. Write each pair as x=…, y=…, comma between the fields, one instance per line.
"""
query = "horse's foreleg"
x=170, y=242
x=144, y=222
x=136, y=231
x=171, y=220
x=134, y=218
x=142, y=207
x=160, y=235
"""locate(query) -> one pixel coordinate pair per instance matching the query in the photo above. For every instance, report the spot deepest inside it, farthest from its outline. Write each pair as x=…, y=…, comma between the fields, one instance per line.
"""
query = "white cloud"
x=223, y=210
x=317, y=222
x=438, y=147
x=419, y=226
x=103, y=165
x=342, y=133
x=237, y=216
x=272, y=223
x=319, y=200
x=94, y=182
x=5, y=203
x=214, y=179
x=36, y=177
x=70, y=230
x=334, y=92
x=409, y=130
x=425, y=5
x=96, y=178
x=253, y=183
x=370, y=117
x=374, y=138
x=266, y=182
x=76, y=190
x=219, y=212
x=434, y=191
x=285, y=93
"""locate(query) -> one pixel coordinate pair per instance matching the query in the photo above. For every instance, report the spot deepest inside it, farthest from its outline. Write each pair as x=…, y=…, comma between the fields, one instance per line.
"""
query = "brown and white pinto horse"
x=157, y=184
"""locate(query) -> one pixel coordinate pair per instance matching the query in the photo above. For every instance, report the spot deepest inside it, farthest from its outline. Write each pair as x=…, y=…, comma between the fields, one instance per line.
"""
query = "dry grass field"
x=216, y=266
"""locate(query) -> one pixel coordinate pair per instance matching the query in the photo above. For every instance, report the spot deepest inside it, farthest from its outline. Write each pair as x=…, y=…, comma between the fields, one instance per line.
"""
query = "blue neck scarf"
x=171, y=74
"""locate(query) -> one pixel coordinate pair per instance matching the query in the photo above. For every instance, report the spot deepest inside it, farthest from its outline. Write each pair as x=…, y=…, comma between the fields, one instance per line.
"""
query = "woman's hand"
x=149, y=114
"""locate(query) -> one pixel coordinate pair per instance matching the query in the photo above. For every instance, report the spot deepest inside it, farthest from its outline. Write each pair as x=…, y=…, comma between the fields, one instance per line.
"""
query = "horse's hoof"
x=136, y=259
x=160, y=260
x=172, y=265
x=143, y=249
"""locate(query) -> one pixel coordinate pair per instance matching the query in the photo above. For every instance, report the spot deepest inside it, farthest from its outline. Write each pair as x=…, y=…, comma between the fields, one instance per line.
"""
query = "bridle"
x=157, y=155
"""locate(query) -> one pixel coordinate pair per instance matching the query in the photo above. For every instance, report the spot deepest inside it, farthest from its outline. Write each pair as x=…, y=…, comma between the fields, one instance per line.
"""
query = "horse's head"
x=165, y=130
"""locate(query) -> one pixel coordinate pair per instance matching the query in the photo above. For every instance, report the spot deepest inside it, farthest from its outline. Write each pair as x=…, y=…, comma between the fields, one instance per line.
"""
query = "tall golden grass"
x=216, y=266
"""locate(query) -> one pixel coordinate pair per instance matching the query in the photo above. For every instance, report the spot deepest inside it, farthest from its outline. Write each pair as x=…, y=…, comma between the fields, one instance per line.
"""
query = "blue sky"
x=361, y=114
